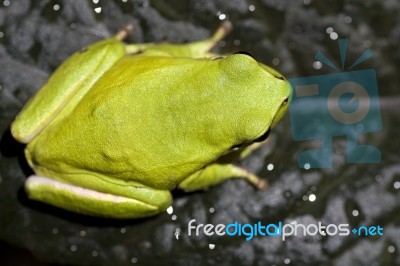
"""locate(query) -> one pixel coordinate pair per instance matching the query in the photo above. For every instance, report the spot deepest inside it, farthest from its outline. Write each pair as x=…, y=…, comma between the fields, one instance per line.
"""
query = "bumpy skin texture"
x=117, y=127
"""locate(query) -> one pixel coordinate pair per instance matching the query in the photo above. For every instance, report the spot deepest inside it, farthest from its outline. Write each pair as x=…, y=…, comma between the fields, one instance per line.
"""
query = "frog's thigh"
x=91, y=202
x=67, y=85
x=216, y=173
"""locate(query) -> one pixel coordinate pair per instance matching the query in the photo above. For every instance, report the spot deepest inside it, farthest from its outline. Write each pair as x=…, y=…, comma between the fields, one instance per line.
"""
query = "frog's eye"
x=264, y=136
x=244, y=52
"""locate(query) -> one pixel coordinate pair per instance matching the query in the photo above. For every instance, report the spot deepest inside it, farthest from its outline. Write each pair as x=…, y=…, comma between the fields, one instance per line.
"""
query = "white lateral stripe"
x=35, y=180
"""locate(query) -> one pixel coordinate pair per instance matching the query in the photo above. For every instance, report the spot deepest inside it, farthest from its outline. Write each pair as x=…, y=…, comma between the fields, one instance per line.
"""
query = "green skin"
x=117, y=127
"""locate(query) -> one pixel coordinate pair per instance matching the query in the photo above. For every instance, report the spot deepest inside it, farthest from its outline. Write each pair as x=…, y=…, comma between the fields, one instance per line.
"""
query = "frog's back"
x=132, y=125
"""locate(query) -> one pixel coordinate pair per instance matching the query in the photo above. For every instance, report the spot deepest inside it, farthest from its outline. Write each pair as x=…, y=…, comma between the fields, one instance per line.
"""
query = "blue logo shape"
x=338, y=104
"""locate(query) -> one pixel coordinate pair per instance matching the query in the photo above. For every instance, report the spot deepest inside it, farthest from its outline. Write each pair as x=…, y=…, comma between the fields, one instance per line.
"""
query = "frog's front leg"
x=216, y=173
x=142, y=201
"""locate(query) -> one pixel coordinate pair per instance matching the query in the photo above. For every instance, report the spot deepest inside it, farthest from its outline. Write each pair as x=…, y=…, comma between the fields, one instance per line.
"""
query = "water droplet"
x=56, y=7
x=74, y=248
x=82, y=233
x=6, y=3
x=55, y=230
x=270, y=167
x=317, y=65
x=95, y=2
x=307, y=2
x=236, y=42
x=307, y=166
x=391, y=249
x=329, y=30
x=1, y=34
x=95, y=253
x=355, y=213
x=170, y=210
x=211, y=246
x=252, y=8
x=333, y=35
x=211, y=210
x=312, y=197
x=347, y=19
x=286, y=261
x=177, y=233
x=222, y=17
x=275, y=61
x=396, y=185
x=173, y=217
x=147, y=244
x=134, y=260
x=97, y=10
x=123, y=230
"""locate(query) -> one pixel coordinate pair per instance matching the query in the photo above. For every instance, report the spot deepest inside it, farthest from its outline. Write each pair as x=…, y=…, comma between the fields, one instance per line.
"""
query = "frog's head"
x=256, y=97
x=285, y=90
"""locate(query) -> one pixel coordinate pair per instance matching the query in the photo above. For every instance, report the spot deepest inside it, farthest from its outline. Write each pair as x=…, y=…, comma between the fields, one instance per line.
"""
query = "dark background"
x=36, y=37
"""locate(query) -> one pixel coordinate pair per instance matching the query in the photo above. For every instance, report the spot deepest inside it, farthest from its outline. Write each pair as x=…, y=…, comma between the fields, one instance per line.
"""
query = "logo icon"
x=339, y=104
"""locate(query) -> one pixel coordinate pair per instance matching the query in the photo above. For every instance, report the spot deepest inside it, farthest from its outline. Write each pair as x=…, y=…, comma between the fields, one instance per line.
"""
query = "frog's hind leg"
x=131, y=48
x=124, y=32
x=96, y=203
x=206, y=45
x=216, y=173
x=66, y=87
x=197, y=49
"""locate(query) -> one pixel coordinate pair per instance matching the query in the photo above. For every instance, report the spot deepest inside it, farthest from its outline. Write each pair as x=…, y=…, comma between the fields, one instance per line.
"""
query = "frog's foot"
x=124, y=32
x=216, y=173
x=95, y=203
x=224, y=29
x=250, y=149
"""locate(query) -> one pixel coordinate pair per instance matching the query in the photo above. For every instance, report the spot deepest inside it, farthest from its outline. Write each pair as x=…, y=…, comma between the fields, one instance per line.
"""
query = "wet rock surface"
x=35, y=37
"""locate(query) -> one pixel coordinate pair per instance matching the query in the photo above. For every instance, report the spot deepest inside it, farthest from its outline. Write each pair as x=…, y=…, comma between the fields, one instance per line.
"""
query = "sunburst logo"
x=340, y=104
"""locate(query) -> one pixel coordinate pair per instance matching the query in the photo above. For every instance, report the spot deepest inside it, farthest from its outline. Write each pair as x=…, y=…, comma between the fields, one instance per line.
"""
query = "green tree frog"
x=117, y=126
